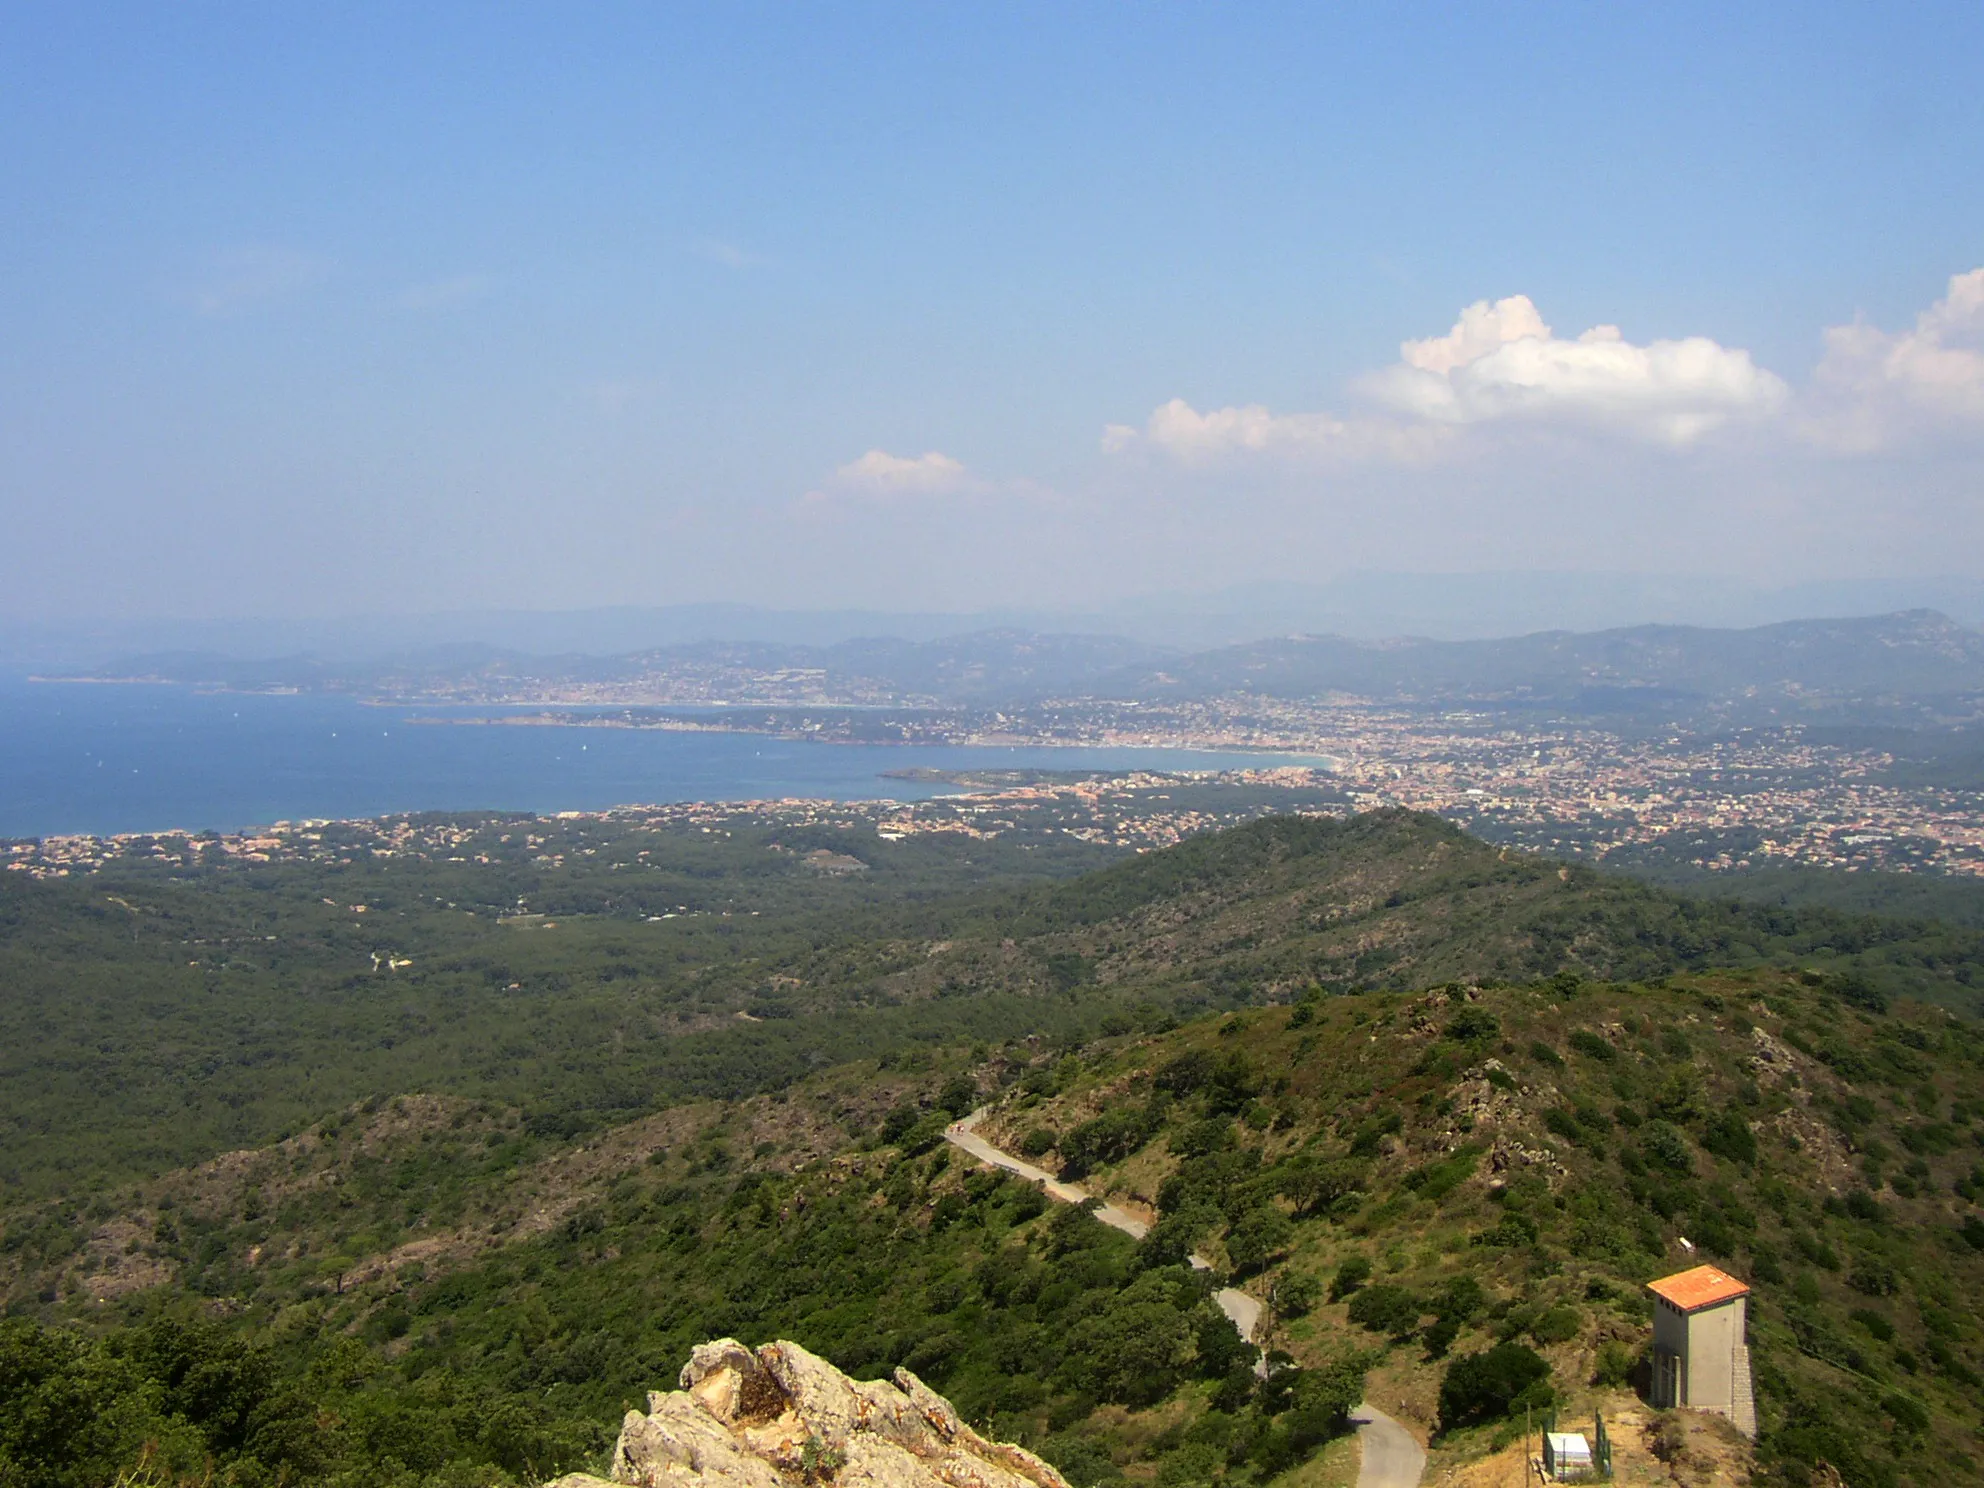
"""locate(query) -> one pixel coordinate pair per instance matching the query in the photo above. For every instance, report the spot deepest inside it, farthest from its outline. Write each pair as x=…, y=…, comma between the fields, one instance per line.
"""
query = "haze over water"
x=81, y=758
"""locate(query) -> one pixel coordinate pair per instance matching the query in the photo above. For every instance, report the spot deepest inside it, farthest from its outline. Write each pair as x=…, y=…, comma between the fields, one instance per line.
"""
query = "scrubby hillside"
x=313, y=1335
x=467, y=1283
x=1479, y=1173
x=155, y=1019
x=1399, y=899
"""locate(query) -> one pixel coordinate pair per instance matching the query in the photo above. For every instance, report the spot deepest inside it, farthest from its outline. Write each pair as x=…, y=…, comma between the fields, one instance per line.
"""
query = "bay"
x=83, y=758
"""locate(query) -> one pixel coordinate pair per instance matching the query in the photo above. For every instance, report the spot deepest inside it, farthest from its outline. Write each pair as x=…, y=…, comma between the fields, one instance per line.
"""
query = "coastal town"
x=1739, y=799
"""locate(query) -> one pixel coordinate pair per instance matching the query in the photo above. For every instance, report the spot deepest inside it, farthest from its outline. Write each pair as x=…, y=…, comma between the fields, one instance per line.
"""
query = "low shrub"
x=1614, y=1365
x=1296, y=1295
x=1351, y=1273
x=1387, y=1309
x=1558, y=1325
x=1487, y=1386
x=1592, y=1046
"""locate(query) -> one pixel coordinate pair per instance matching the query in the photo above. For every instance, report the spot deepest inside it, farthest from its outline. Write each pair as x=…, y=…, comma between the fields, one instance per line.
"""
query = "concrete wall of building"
x=1710, y=1360
x=1670, y=1338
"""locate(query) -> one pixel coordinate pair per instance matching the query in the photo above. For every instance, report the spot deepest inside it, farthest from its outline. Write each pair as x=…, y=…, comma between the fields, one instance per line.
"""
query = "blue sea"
x=97, y=758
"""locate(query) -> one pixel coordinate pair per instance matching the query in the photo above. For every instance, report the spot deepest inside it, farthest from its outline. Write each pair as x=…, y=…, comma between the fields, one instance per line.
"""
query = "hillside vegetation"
x=156, y=1017
x=1493, y=1173
x=293, y=1219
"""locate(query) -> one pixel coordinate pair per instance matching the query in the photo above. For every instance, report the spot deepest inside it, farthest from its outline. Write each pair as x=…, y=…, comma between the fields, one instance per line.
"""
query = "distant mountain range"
x=1446, y=606
x=1912, y=654
x=1918, y=661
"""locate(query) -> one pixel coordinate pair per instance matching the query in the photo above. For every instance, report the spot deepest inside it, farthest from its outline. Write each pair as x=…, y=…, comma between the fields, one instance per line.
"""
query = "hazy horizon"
x=1369, y=606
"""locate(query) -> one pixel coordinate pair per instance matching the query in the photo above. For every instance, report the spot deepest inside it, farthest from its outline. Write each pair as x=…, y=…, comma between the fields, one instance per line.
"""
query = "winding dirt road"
x=1391, y=1457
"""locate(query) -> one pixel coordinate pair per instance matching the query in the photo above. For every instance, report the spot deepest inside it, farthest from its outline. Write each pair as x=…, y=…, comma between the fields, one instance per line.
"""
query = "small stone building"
x=1701, y=1357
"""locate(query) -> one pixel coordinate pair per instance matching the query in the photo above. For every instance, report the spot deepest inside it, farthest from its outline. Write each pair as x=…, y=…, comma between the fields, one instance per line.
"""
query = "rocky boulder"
x=779, y=1416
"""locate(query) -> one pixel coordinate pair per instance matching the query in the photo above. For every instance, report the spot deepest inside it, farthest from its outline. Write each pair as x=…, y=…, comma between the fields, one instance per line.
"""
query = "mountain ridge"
x=1781, y=668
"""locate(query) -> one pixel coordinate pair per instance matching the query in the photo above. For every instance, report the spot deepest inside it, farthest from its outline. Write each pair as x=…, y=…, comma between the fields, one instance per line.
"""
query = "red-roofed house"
x=1700, y=1357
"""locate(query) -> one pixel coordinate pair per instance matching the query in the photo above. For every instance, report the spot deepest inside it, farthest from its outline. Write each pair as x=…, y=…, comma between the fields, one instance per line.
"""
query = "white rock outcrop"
x=781, y=1416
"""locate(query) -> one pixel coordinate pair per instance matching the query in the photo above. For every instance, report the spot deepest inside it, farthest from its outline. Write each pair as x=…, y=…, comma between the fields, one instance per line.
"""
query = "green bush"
x=1729, y=1136
x=1296, y=1295
x=1908, y=1415
x=1315, y=1185
x=1038, y=1142
x=1873, y=1277
x=1257, y=1237
x=1874, y=1323
x=1472, y=1025
x=1614, y=1364
x=959, y=1095
x=1214, y=1134
x=1664, y=1144
x=1134, y=1352
x=1487, y=1386
x=1558, y=1325
x=1440, y=1335
x=924, y=1135
x=1083, y=1461
x=1185, y=1074
x=1351, y=1273
x=1386, y=1308
x=899, y=1120
x=1592, y=1046
x=1374, y=1130
x=1108, y=1138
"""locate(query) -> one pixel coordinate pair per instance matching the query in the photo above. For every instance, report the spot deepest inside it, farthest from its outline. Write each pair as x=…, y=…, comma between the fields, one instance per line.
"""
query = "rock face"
x=781, y=1416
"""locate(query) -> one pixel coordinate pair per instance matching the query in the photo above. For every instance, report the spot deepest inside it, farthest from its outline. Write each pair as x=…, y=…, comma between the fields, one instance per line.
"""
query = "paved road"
x=1391, y=1458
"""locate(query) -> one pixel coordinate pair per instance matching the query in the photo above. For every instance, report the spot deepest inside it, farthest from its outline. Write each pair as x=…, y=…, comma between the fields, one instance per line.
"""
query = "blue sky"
x=323, y=309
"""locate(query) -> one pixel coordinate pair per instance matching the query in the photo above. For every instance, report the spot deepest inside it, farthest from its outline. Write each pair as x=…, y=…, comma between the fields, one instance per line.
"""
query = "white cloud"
x=1184, y=433
x=1500, y=364
x=1873, y=388
x=879, y=473
x=1481, y=329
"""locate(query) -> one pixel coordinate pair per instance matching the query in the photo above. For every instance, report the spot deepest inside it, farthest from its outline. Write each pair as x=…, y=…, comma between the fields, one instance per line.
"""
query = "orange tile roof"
x=1704, y=1286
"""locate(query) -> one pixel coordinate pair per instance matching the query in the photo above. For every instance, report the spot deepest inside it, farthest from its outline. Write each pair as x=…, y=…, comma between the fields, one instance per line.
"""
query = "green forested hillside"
x=153, y=1018
x=1467, y=1168
x=316, y=1221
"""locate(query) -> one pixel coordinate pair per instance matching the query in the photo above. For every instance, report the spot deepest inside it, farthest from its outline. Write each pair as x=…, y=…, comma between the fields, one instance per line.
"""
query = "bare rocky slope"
x=782, y=1416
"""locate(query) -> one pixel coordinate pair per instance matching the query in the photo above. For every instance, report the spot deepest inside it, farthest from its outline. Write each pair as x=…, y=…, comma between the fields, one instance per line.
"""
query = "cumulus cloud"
x=1500, y=364
x=879, y=473
x=1183, y=433
x=1482, y=328
x=879, y=476
x=1873, y=387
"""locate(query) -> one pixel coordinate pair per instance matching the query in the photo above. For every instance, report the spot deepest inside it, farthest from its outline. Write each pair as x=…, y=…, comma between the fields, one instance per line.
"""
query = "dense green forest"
x=156, y=1016
x=428, y=1193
